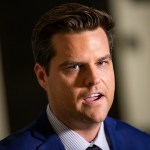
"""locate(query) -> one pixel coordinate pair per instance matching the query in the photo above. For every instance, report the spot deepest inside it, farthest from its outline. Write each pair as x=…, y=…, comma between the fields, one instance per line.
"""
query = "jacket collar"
x=114, y=135
x=43, y=131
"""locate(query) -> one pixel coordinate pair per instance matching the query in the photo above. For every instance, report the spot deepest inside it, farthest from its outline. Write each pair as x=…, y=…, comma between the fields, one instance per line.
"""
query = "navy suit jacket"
x=41, y=136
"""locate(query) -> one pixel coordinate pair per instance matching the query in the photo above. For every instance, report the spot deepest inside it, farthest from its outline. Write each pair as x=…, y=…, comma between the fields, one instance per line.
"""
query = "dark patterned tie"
x=94, y=147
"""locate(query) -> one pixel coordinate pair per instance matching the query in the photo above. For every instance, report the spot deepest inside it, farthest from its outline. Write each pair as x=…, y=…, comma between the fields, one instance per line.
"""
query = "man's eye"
x=74, y=67
x=102, y=62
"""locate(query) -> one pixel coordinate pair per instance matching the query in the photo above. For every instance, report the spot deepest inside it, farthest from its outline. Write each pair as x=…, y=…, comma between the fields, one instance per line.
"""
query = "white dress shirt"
x=72, y=140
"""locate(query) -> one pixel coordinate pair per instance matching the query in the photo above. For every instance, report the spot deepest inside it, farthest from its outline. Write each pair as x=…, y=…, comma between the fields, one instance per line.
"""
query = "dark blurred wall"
x=25, y=98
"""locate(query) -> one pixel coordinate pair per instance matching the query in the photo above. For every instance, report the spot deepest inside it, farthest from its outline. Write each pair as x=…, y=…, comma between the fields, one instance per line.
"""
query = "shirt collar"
x=71, y=139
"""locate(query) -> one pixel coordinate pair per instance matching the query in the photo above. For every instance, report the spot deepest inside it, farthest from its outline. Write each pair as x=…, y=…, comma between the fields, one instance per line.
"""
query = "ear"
x=41, y=75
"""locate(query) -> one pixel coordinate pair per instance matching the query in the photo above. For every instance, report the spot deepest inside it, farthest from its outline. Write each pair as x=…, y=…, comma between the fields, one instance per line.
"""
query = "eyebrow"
x=108, y=56
x=71, y=62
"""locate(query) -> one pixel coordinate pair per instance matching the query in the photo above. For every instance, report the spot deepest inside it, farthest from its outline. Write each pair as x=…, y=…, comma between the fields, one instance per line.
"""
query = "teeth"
x=94, y=95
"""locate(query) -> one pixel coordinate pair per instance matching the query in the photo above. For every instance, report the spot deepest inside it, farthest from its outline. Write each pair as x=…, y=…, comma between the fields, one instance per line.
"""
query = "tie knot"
x=94, y=147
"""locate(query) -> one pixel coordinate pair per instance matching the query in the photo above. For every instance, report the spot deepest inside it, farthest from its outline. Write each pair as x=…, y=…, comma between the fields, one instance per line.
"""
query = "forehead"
x=76, y=44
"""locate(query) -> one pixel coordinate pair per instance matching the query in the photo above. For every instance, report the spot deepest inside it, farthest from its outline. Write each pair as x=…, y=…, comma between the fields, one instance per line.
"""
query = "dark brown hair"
x=67, y=18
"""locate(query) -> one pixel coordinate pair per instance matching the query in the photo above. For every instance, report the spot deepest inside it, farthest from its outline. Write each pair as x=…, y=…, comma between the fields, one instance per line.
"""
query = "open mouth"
x=93, y=97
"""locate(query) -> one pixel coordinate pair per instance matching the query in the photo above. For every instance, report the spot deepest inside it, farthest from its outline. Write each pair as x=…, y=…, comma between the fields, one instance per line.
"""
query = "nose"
x=92, y=76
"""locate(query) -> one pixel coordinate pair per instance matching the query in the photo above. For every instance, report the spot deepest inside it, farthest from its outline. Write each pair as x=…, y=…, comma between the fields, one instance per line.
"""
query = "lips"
x=93, y=97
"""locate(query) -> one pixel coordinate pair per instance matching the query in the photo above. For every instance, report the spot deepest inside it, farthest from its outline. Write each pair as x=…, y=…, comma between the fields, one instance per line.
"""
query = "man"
x=72, y=47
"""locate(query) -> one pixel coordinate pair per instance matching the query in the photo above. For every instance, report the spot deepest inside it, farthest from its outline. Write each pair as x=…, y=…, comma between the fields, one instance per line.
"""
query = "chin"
x=100, y=117
x=97, y=118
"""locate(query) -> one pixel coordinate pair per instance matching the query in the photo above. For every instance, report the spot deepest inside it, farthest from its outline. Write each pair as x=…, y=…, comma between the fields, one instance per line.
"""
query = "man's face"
x=80, y=84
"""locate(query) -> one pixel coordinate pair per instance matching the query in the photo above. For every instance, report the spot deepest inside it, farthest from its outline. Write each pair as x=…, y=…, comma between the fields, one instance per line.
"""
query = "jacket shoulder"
x=124, y=127
x=29, y=137
x=19, y=140
x=126, y=134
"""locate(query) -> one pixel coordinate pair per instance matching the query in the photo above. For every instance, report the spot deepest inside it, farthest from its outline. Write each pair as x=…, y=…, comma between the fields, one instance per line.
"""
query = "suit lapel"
x=52, y=143
x=44, y=132
x=113, y=134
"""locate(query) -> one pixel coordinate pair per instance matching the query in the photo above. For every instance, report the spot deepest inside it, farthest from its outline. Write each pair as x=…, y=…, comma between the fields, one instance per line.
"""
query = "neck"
x=88, y=129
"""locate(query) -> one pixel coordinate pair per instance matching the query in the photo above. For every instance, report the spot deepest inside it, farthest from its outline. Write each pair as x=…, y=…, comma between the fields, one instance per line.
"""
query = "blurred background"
x=21, y=98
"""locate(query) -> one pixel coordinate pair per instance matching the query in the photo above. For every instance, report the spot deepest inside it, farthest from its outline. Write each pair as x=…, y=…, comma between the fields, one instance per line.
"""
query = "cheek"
x=108, y=78
x=113, y=80
x=62, y=87
x=111, y=84
x=111, y=88
x=109, y=81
